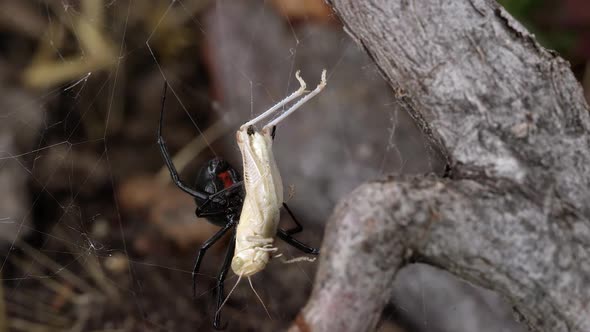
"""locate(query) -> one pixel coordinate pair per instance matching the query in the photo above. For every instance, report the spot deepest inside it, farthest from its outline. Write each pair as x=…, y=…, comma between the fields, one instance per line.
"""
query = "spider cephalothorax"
x=215, y=177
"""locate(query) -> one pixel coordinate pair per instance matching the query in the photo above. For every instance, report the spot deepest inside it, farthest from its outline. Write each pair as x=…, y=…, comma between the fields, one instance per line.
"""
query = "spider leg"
x=205, y=214
x=283, y=235
x=298, y=228
x=211, y=241
x=220, y=281
x=281, y=103
x=199, y=212
x=286, y=235
x=298, y=104
x=166, y=155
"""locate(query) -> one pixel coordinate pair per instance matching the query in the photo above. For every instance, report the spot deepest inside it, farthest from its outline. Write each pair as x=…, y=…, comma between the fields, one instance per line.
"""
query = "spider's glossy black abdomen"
x=216, y=175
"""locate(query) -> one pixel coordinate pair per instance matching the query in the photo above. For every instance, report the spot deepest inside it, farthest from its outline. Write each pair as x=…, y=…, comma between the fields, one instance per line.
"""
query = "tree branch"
x=511, y=121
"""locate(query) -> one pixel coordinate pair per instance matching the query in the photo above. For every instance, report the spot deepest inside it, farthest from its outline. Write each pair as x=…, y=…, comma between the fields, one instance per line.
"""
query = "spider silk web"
x=94, y=236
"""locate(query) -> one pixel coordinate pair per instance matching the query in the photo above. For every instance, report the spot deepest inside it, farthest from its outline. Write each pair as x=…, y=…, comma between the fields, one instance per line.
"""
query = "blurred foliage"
x=561, y=25
x=520, y=8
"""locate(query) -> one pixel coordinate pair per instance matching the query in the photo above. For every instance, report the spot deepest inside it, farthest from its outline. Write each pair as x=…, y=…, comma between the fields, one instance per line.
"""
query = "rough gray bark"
x=510, y=120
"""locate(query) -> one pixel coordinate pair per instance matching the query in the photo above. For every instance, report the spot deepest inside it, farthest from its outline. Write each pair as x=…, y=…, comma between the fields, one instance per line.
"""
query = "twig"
x=96, y=272
x=84, y=312
x=45, y=317
x=97, y=52
x=48, y=281
x=27, y=326
x=93, y=267
x=59, y=271
x=30, y=296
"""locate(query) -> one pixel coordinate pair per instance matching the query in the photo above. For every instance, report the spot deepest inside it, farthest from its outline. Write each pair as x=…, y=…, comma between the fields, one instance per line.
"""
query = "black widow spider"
x=219, y=196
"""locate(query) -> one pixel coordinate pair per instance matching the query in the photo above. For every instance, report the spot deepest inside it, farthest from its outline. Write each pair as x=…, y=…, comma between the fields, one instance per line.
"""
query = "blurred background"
x=93, y=234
